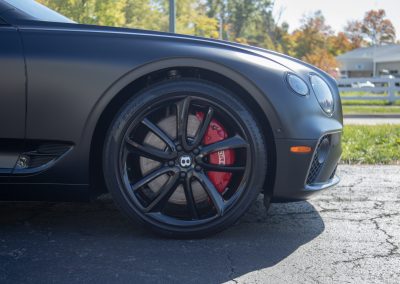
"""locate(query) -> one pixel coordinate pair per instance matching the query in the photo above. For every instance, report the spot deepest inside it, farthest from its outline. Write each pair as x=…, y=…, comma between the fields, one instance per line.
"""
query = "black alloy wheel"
x=162, y=171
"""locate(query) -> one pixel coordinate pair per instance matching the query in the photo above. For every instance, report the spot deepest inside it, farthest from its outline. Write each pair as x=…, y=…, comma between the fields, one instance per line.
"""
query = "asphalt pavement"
x=349, y=234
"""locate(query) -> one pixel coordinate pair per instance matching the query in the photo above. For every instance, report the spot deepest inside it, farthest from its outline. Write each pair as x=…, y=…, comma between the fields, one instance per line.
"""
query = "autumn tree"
x=312, y=34
x=311, y=42
x=353, y=31
x=374, y=29
x=377, y=28
x=339, y=43
x=323, y=59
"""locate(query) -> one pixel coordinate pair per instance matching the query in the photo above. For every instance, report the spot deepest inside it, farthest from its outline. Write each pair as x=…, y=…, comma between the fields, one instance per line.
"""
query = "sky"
x=336, y=12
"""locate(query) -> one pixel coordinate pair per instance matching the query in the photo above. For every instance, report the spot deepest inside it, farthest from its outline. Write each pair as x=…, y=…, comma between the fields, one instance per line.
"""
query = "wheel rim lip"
x=159, y=217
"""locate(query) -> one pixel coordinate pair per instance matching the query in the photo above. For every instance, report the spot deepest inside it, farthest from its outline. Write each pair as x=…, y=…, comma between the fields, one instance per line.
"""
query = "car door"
x=12, y=84
x=12, y=97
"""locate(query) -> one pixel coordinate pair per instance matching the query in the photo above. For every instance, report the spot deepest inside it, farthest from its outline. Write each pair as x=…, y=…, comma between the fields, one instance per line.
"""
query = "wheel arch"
x=146, y=75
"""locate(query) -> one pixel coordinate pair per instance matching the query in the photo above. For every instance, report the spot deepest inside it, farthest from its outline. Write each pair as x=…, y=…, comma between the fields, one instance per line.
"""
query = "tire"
x=164, y=177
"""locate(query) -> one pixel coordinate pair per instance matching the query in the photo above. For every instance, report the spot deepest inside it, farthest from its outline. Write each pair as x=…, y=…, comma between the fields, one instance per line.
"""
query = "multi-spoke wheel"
x=185, y=158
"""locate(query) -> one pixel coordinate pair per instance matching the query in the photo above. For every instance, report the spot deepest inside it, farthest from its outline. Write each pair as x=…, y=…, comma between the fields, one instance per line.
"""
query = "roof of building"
x=382, y=53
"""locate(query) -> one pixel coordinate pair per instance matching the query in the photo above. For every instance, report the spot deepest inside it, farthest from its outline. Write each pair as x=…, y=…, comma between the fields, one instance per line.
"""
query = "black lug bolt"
x=198, y=168
x=196, y=151
x=179, y=148
x=183, y=174
x=171, y=163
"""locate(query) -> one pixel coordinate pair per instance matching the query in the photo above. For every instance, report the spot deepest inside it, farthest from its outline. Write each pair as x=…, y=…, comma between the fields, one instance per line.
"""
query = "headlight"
x=297, y=84
x=323, y=93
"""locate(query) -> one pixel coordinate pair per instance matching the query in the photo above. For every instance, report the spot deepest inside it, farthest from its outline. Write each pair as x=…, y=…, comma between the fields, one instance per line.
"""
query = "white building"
x=374, y=61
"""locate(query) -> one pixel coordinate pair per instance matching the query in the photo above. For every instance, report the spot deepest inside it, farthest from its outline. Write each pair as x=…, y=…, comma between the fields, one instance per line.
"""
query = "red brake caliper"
x=216, y=132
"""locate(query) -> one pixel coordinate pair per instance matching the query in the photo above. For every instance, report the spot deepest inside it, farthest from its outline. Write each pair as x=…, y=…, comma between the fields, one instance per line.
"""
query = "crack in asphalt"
x=393, y=251
x=231, y=273
x=379, y=206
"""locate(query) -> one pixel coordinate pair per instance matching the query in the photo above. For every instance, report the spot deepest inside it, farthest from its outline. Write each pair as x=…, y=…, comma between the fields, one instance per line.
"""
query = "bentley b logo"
x=185, y=161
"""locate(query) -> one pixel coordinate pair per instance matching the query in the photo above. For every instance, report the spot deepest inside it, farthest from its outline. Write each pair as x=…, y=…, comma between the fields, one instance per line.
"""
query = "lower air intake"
x=319, y=158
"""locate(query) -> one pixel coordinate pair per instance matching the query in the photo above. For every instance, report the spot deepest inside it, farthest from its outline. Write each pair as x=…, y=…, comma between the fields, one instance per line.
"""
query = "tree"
x=109, y=12
x=240, y=13
x=377, y=28
x=146, y=14
x=101, y=12
x=322, y=59
x=312, y=34
x=192, y=19
x=338, y=44
x=315, y=42
x=214, y=8
x=353, y=31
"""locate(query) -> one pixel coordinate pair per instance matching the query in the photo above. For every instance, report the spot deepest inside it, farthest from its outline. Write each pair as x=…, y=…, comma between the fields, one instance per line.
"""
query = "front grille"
x=317, y=164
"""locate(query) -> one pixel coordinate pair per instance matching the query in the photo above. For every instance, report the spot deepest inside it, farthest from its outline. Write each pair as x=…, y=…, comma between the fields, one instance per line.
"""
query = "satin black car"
x=184, y=132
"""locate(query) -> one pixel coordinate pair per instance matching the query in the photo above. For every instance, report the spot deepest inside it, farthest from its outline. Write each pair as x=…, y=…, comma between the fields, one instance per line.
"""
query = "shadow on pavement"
x=69, y=242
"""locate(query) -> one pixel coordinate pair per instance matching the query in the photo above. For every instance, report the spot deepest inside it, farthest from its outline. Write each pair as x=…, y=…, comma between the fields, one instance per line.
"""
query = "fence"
x=377, y=88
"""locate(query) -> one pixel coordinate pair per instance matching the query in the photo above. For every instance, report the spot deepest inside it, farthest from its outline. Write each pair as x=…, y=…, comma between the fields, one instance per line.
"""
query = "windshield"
x=38, y=11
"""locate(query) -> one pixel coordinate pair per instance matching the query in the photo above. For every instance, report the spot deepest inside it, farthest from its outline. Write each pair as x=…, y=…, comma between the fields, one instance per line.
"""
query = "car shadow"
x=71, y=242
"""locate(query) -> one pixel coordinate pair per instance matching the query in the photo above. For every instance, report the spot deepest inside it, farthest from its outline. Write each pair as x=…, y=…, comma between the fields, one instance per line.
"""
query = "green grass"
x=362, y=94
x=371, y=144
x=368, y=103
x=368, y=106
x=371, y=109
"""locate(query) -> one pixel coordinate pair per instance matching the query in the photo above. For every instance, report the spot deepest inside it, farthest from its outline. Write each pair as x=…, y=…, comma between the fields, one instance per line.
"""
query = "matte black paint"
x=73, y=72
x=12, y=82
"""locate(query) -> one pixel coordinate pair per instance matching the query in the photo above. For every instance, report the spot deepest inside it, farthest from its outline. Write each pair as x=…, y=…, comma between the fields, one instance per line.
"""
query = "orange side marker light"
x=300, y=149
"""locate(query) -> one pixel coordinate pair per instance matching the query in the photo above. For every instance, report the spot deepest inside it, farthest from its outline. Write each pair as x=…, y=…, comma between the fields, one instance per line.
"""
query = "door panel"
x=12, y=84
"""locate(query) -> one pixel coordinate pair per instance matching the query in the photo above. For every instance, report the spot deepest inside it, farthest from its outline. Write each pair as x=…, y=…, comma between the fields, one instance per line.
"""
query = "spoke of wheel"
x=234, y=142
x=191, y=203
x=221, y=168
x=152, y=176
x=215, y=196
x=160, y=133
x=203, y=129
x=149, y=151
x=182, y=108
x=165, y=193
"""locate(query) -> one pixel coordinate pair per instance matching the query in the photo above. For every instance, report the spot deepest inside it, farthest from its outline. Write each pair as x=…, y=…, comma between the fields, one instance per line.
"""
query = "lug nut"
x=179, y=148
x=198, y=168
x=196, y=151
x=183, y=174
x=171, y=163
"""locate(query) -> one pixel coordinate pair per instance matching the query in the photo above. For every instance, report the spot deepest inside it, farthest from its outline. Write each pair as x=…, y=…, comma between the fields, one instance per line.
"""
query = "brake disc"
x=168, y=125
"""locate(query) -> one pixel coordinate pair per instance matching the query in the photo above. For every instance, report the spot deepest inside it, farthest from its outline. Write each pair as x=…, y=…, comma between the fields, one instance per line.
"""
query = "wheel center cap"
x=185, y=161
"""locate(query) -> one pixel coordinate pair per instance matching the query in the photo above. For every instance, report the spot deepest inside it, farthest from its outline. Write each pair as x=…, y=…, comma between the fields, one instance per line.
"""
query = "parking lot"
x=350, y=234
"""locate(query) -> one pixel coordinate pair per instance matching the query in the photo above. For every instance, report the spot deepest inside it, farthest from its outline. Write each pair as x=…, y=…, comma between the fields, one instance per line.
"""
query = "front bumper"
x=298, y=176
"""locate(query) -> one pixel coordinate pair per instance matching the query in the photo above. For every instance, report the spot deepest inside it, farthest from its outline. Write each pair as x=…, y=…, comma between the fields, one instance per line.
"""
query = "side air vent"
x=52, y=149
x=320, y=155
x=40, y=158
